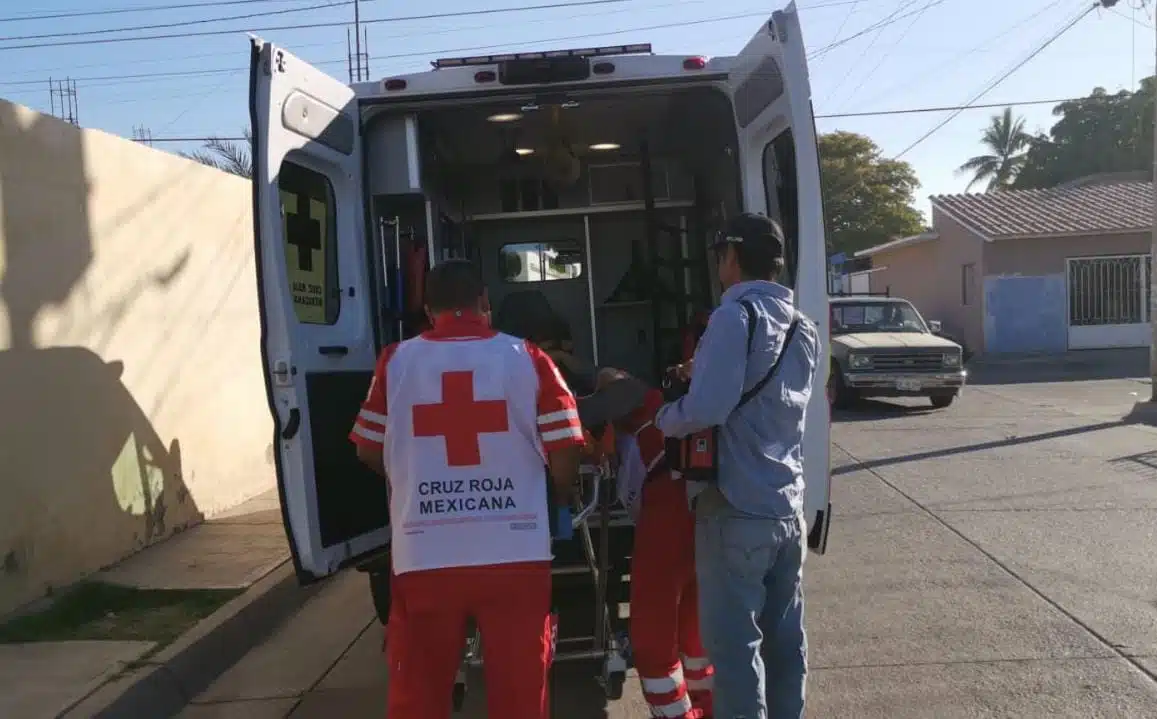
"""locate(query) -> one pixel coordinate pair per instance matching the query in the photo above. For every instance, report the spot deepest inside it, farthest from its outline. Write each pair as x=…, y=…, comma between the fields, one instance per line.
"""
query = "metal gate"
x=1109, y=301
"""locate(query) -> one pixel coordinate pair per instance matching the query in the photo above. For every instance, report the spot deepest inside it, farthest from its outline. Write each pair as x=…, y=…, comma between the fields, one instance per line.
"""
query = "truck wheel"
x=940, y=401
x=839, y=394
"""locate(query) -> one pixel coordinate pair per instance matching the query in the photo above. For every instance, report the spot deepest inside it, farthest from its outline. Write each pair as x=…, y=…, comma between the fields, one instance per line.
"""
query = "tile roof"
x=1088, y=209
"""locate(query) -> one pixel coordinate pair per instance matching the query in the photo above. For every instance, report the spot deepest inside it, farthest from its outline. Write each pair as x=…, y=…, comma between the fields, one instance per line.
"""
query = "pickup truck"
x=882, y=347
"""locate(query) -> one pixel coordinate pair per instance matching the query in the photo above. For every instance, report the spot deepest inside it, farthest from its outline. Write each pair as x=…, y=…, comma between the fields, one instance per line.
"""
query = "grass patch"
x=100, y=611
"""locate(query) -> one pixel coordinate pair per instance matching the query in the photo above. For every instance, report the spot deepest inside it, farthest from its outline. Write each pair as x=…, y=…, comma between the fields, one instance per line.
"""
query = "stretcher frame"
x=597, y=481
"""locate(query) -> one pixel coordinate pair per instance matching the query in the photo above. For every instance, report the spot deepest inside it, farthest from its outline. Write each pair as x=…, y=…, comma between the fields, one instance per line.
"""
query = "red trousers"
x=668, y=652
x=510, y=604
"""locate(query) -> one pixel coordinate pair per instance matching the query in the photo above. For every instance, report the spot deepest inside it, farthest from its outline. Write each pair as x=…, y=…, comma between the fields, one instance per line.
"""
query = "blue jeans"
x=750, y=572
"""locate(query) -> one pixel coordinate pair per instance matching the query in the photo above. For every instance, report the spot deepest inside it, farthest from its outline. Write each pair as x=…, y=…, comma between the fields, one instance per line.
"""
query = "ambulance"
x=584, y=183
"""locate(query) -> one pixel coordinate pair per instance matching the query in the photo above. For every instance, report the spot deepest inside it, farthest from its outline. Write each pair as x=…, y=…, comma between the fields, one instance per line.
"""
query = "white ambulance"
x=585, y=184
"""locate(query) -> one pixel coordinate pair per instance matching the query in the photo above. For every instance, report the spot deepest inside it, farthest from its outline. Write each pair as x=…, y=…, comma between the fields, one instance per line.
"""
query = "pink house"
x=1031, y=270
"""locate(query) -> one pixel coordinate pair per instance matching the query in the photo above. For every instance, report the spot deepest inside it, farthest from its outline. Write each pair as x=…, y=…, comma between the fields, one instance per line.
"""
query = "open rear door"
x=313, y=276
x=779, y=163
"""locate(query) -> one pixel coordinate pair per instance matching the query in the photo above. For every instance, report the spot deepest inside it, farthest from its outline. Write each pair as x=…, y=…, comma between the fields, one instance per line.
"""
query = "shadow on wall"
x=85, y=477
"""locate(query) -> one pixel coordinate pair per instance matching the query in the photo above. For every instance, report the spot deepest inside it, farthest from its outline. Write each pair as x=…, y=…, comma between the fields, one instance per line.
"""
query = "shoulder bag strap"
x=751, y=393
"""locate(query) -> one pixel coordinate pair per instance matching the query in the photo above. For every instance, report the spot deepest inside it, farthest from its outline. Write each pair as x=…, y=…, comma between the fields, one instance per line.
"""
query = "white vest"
x=479, y=495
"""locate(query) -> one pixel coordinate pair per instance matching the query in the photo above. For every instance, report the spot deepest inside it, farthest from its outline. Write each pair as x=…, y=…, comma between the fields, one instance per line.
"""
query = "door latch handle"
x=334, y=350
x=289, y=431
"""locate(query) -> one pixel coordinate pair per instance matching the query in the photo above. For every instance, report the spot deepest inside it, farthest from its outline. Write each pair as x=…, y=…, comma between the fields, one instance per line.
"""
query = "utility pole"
x=143, y=135
x=1153, y=269
x=358, y=57
x=69, y=107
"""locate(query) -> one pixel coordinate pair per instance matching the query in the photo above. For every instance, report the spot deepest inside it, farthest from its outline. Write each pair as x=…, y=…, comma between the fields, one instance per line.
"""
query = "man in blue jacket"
x=750, y=536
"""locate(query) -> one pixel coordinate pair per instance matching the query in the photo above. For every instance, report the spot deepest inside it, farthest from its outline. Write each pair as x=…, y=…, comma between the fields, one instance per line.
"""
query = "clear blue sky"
x=940, y=57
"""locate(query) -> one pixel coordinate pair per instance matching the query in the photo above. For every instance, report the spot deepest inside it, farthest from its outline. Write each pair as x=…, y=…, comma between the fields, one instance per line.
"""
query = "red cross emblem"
x=460, y=419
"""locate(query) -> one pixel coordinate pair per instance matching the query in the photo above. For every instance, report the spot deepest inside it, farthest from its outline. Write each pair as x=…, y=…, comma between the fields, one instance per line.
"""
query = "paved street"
x=993, y=559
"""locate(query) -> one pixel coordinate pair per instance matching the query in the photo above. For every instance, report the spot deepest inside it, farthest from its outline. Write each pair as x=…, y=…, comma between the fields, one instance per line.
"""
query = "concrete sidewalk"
x=245, y=549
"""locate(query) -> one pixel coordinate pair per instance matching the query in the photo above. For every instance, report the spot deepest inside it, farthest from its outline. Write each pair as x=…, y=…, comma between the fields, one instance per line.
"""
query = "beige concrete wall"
x=131, y=396
x=1047, y=255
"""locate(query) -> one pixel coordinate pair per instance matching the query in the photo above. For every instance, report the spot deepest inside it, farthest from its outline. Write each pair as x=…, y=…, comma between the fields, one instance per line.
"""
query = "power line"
x=983, y=46
x=904, y=4
x=887, y=53
x=447, y=28
x=309, y=26
x=329, y=4
x=421, y=53
x=1040, y=48
x=951, y=108
x=889, y=20
x=139, y=10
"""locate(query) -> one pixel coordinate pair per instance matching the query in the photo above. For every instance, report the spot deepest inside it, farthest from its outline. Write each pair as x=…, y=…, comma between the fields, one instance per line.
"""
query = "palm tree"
x=1007, y=143
x=225, y=155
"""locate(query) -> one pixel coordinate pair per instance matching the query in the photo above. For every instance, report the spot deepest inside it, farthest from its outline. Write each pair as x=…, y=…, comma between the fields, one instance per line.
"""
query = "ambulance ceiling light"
x=505, y=117
x=524, y=151
x=604, y=146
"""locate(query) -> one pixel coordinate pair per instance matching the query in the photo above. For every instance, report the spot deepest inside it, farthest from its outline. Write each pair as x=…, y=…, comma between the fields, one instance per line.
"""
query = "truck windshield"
x=848, y=317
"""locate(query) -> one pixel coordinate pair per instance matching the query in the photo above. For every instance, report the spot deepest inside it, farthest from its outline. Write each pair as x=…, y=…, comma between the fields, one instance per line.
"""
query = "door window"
x=781, y=188
x=541, y=261
x=308, y=221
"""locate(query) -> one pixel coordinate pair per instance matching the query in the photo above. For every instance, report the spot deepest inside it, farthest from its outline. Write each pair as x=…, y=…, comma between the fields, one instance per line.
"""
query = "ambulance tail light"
x=394, y=84
x=603, y=68
x=695, y=63
x=485, y=76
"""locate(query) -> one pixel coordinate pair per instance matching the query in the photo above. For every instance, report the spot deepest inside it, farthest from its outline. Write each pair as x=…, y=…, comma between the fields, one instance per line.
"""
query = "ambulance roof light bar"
x=637, y=49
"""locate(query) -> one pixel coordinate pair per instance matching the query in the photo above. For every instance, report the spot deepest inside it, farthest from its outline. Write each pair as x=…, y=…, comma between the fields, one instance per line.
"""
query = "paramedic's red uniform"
x=465, y=417
x=668, y=652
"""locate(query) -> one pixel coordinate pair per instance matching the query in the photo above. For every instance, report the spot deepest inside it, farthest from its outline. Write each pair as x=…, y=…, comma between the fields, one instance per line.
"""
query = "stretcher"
x=593, y=509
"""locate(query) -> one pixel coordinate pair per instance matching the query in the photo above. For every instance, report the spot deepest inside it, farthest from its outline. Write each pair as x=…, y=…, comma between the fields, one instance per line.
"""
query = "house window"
x=967, y=283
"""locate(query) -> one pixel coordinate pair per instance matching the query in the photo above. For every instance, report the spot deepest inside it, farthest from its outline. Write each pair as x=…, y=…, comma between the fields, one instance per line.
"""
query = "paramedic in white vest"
x=462, y=420
x=750, y=533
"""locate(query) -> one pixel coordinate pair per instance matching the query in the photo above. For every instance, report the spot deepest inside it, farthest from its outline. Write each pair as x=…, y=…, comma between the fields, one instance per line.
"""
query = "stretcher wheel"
x=615, y=682
x=459, y=696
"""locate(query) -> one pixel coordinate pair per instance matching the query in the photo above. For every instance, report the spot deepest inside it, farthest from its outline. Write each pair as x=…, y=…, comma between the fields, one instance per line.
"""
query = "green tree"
x=867, y=197
x=1007, y=144
x=227, y=156
x=1099, y=133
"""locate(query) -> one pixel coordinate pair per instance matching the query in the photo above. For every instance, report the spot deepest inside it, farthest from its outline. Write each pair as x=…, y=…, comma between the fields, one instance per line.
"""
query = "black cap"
x=758, y=231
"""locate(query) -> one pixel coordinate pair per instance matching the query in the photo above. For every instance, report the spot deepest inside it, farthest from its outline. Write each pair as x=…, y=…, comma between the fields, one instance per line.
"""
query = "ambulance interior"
x=588, y=214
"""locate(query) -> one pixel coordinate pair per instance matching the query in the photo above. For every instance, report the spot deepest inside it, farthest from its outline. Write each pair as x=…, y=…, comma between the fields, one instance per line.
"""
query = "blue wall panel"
x=1025, y=314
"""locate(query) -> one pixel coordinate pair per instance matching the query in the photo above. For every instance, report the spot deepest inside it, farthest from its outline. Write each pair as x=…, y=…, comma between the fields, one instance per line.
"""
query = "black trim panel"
x=817, y=538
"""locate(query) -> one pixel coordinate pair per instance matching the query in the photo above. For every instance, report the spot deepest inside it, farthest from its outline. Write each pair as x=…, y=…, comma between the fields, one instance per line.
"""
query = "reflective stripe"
x=695, y=663
x=674, y=709
x=645, y=425
x=662, y=685
x=372, y=416
x=564, y=433
x=361, y=431
x=701, y=685
x=559, y=416
x=655, y=462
